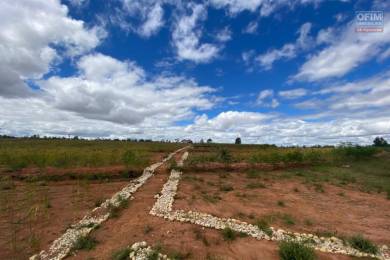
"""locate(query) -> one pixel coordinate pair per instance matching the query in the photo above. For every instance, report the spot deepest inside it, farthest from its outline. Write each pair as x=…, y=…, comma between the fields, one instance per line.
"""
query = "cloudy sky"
x=283, y=72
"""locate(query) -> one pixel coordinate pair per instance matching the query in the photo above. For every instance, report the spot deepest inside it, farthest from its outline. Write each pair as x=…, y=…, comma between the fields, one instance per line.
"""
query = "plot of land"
x=324, y=191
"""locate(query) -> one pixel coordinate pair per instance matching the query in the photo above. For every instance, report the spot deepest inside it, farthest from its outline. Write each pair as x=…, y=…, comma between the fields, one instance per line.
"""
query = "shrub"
x=85, y=243
x=281, y=203
x=288, y=219
x=115, y=210
x=363, y=244
x=263, y=225
x=229, y=234
x=289, y=250
x=121, y=254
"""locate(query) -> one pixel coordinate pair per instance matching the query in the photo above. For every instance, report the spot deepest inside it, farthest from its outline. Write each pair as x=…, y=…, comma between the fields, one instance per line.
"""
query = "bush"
x=121, y=254
x=229, y=234
x=85, y=243
x=289, y=250
x=363, y=244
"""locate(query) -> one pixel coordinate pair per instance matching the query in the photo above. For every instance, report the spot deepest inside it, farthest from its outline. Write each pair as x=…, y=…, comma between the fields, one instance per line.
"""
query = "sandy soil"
x=344, y=210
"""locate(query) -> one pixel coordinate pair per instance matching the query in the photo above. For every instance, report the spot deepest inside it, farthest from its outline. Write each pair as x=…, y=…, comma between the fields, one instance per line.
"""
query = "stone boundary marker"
x=62, y=247
x=163, y=208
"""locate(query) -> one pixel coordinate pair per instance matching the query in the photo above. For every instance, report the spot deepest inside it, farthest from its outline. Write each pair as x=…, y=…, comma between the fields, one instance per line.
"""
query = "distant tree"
x=209, y=141
x=380, y=141
x=201, y=141
x=238, y=140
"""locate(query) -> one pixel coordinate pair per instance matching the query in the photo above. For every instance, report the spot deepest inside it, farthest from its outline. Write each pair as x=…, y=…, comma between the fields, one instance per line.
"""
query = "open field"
x=328, y=192
x=47, y=185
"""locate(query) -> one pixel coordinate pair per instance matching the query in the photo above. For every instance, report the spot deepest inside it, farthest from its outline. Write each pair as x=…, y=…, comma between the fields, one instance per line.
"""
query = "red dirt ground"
x=69, y=201
x=190, y=240
x=344, y=210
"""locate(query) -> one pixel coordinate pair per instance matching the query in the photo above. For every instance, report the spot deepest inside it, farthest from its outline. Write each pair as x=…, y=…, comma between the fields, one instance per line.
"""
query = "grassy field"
x=368, y=168
x=22, y=153
x=56, y=192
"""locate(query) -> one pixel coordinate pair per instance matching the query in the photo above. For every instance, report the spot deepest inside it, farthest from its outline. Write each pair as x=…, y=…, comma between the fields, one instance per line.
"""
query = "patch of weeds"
x=98, y=202
x=289, y=250
x=326, y=233
x=229, y=234
x=85, y=243
x=263, y=225
x=288, y=219
x=252, y=174
x=121, y=254
x=115, y=210
x=211, y=198
x=148, y=229
x=341, y=194
x=251, y=216
x=200, y=236
x=226, y=188
x=363, y=244
x=255, y=185
x=308, y=222
x=281, y=203
x=318, y=187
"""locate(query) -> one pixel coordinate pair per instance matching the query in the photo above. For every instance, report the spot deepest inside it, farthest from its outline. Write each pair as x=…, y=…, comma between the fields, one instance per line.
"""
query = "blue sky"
x=284, y=72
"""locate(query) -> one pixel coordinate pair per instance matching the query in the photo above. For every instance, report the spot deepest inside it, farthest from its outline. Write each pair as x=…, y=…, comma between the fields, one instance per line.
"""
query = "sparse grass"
x=289, y=250
x=363, y=244
x=263, y=225
x=121, y=254
x=211, y=198
x=226, y=188
x=229, y=234
x=199, y=235
x=288, y=219
x=308, y=222
x=256, y=185
x=115, y=210
x=85, y=243
x=98, y=202
x=148, y=229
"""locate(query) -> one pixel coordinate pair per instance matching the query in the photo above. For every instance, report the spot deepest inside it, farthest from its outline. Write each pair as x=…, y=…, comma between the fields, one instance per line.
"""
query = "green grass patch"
x=289, y=250
x=85, y=243
x=363, y=244
x=121, y=254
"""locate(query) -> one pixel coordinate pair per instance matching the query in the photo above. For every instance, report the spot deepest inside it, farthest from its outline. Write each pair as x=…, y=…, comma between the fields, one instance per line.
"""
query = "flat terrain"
x=325, y=191
x=47, y=185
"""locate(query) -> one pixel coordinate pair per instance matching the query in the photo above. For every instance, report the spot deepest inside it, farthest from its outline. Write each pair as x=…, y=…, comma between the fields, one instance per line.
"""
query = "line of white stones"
x=61, y=247
x=141, y=251
x=163, y=208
